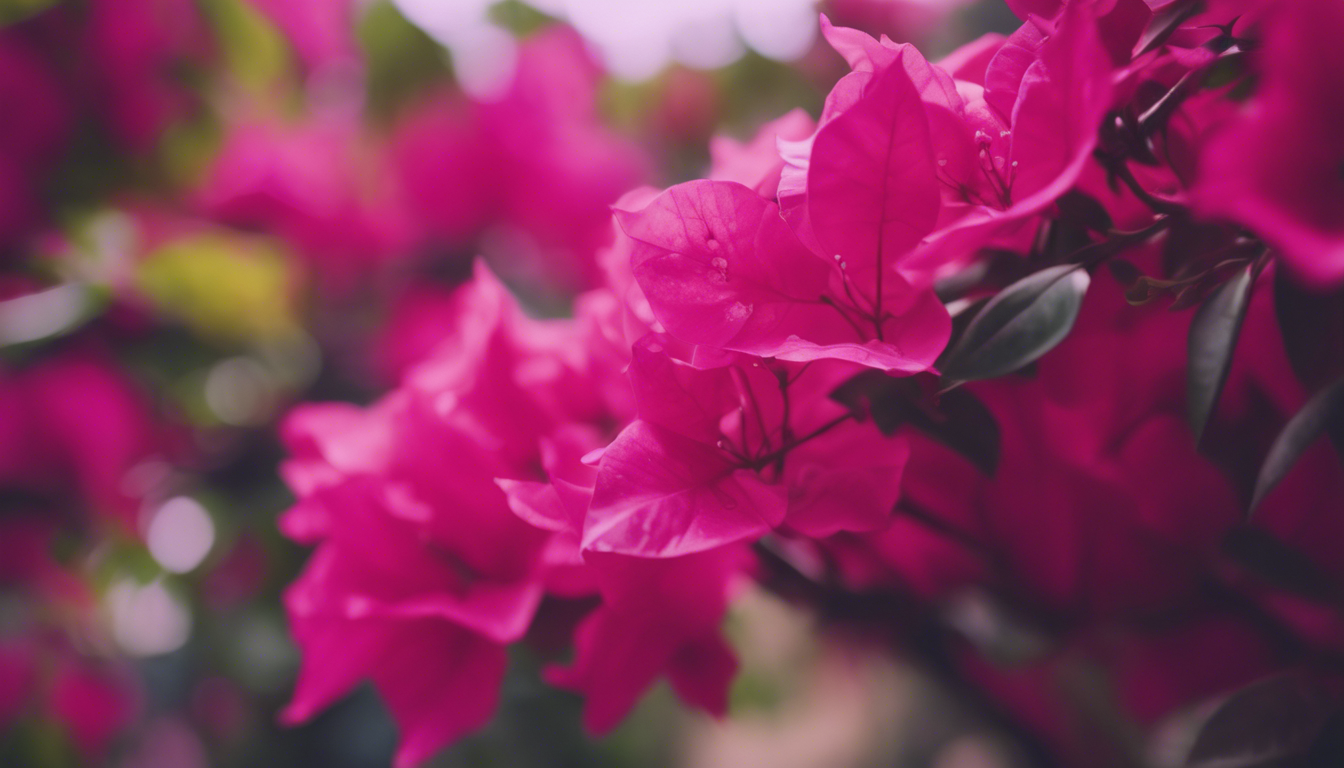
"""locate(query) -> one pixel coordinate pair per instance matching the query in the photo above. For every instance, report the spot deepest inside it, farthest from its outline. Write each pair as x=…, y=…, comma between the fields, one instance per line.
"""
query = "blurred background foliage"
x=219, y=316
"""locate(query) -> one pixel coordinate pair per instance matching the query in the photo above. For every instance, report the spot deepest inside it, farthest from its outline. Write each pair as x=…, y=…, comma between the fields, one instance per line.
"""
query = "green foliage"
x=957, y=418
x=1023, y=322
x=401, y=60
x=12, y=11
x=1323, y=413
x=1213, y=337
x=1263, y=724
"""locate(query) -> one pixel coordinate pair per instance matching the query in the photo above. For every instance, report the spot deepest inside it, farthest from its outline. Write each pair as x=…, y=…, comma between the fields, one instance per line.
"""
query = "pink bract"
x=720, y=267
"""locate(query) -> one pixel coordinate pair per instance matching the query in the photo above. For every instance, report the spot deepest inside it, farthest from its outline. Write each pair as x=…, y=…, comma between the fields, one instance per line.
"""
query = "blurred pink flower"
x=537, y=166
x=322, y=31
x=318, y=183
x=74, y=429
x=1291, y=192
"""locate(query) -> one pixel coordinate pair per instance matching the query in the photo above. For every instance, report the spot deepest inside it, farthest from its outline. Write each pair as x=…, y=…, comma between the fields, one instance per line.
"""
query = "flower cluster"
x=186, y=217
x=913, y=349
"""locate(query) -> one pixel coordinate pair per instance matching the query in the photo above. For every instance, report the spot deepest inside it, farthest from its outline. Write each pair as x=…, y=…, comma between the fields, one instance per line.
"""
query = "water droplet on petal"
x=719, y=263
x=739, y=311
x=713, y=244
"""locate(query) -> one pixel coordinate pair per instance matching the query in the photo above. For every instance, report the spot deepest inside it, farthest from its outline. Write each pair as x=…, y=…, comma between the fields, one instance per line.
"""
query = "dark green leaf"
x=1263, y=723
x=964, y=424
x=963, y=315
x=1085, y=209
x=1323, y=413
x=1269, y=558
x=1313, y=330
x=956, y=419
x=877, y=396
x=958, y=284
x=1067, y=236
x=1023, y=322
x=1213, y=336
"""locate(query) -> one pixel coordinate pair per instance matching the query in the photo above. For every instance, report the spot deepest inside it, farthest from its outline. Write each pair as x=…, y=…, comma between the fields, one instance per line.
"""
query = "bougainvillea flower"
x=32, y=137
x=535, y=169
x=439, y=681
x=721, y=268
x=871, y=190
x=421, y=577
x=319, y=184
x=423, y=573
x=1121, y=21
x=720, y=455
x=75, y=424
x=1001, y=149
x=1291, y=192
x=137, y=47
x=658, y=617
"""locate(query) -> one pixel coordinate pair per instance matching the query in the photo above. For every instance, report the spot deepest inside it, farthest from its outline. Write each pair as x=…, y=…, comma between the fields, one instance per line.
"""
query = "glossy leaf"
x=1262, y=724
x=1023, y=322
x=1213, y=336
x=1323, y=413
x=1313, y=330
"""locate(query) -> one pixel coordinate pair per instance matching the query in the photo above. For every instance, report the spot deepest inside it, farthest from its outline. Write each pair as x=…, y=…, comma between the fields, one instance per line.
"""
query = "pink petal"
x=1003, y=76
x=440, y=684
x=828, y=493
x=660, y=494
x=720, y=268
x=871, y=190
